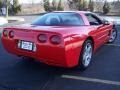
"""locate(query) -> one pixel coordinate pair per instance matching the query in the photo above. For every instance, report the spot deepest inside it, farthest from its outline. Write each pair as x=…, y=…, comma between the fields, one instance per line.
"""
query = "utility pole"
x=7, y=6
x=32, y=2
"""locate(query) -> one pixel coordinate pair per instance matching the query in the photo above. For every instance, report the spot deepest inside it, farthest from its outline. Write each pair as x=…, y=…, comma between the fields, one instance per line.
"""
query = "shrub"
x=78, y=4
x=106, y=7
x=15, y=7
x=0, y=4
x=53, y=6
x=47, y=5
x=60, y=7
x=91, y=5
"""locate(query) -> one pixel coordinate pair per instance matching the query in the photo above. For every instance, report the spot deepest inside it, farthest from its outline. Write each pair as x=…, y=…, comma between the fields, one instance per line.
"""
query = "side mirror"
x=105, y=22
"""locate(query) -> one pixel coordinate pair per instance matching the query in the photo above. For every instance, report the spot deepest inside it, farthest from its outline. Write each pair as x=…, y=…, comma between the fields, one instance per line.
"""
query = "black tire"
x=115, y=36
x=28, y=59
x=82, y=65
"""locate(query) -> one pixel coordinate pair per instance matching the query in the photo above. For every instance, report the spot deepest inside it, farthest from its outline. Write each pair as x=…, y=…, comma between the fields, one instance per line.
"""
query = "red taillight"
x=55, y=39
x=5, y=33
x=42, y=38
x=11, y=34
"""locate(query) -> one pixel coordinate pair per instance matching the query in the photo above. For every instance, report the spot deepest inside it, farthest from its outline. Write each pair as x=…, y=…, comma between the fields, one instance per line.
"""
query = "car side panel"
x=74, y=47
x=100, y=34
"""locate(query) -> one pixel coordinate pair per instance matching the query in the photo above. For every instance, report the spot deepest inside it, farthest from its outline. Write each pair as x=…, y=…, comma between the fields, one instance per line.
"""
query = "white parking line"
x=91, y=80
x=115, y=45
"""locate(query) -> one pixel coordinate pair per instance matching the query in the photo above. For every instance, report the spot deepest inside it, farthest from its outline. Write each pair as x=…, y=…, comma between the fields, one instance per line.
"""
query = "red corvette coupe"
x=64, y=39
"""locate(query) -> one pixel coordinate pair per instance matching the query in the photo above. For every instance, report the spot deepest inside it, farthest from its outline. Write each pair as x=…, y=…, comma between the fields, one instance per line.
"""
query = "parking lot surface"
x=21, y=74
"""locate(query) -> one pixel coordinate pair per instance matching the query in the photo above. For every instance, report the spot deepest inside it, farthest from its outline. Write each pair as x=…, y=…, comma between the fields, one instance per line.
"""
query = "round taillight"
x=42, y=38
x=11, y=34
x=5, y=33
x=55, y=39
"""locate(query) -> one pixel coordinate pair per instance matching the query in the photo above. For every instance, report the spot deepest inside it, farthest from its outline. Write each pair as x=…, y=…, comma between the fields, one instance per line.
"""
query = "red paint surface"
x=65, y=54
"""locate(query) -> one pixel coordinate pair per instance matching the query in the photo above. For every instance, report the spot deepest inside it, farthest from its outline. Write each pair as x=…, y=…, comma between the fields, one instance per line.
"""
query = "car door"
x=100, y=31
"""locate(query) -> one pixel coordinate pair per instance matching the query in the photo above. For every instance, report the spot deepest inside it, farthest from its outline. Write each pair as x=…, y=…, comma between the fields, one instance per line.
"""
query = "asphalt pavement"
x=21, y=74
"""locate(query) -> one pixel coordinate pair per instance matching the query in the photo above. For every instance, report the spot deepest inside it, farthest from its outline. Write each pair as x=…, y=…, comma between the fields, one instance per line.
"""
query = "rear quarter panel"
x=74, y=42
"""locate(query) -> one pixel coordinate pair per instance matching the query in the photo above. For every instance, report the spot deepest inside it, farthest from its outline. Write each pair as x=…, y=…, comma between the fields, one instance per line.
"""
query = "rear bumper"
x=51, y=55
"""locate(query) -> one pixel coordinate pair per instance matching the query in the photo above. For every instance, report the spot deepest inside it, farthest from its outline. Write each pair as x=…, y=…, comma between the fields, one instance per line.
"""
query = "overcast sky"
x=38, y=1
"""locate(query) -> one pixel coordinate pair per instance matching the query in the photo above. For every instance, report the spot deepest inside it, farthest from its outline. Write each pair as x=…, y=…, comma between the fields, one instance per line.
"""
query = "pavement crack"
x=48, y=83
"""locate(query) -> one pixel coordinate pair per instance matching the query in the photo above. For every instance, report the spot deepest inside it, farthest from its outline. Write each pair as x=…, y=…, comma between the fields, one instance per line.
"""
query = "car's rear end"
x=47, y=47
x=47, y=39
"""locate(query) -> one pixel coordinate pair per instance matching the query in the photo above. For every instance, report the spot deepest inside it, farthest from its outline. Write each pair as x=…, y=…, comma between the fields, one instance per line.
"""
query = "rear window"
x=59, y=19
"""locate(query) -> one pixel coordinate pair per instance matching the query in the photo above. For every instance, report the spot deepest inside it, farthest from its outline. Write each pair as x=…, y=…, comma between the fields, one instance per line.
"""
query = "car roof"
x=83, y=12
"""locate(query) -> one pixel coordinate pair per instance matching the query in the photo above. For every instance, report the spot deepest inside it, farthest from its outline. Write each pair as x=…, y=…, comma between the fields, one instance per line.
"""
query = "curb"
x=32, y=14
x=15, y=19
x=3, y=21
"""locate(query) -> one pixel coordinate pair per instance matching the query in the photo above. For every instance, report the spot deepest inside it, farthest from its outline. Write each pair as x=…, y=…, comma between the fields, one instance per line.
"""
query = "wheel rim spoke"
x=112, y=36
x=87, y=54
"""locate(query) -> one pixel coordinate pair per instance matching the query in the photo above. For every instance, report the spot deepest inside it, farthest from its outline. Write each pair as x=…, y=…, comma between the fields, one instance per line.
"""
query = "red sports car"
x=64, y=39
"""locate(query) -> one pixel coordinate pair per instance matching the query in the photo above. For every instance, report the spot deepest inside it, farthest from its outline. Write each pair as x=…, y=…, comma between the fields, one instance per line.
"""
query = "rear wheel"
x=113, y=36
x=86, y=55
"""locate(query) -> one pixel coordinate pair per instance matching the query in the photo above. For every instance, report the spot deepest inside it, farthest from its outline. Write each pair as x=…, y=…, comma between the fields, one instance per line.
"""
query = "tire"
x=86, y=55
x=113, y=36
x=28, y=59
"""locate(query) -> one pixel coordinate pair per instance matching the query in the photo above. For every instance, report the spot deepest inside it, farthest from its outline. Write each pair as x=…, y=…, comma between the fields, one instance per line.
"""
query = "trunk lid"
x=63, y=30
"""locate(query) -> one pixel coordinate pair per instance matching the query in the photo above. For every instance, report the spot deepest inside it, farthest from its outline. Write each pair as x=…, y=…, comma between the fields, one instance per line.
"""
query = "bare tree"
x=60, y=6
x=106, y=7
x=47, y=5
x=91, y=5
x=77, y=4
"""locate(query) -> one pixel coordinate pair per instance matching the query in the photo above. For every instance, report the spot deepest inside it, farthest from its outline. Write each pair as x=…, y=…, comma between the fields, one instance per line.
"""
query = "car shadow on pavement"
x=17, y=73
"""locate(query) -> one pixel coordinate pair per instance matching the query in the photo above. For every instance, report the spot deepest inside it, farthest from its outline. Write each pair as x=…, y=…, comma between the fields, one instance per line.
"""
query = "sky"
x=38, y=1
